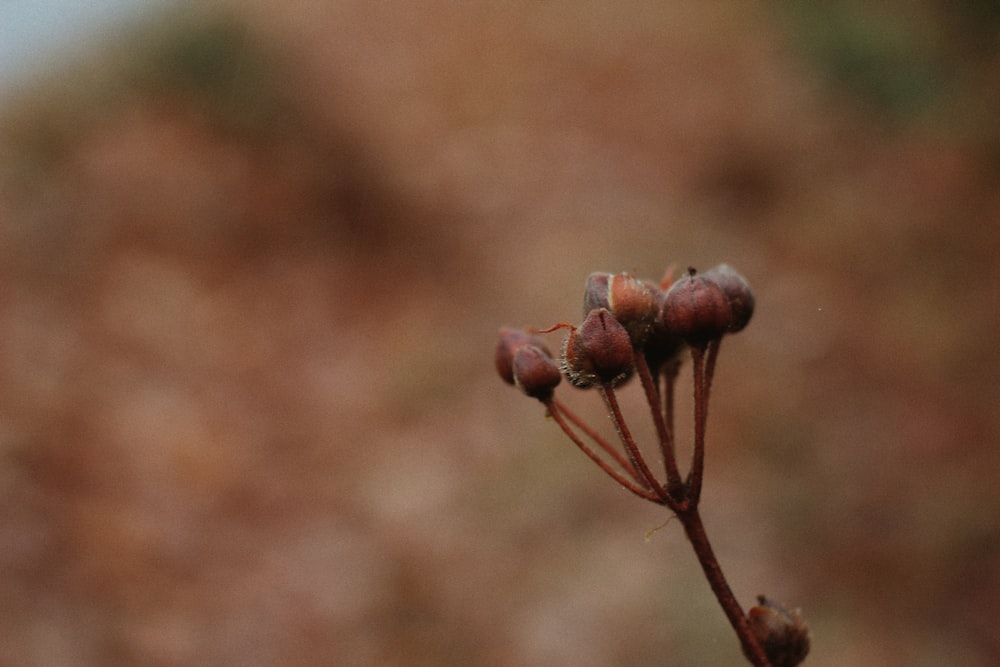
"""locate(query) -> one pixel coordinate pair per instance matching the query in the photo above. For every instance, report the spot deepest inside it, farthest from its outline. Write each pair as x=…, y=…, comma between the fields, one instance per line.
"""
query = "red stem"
x=664, y=433
x=695, y=530
x=634, y=455
x=597, y=438
x=593, y=456
x=700, y=416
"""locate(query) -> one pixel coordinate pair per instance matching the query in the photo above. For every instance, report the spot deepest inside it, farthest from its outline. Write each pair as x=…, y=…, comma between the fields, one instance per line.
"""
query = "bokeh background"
x=254, y=254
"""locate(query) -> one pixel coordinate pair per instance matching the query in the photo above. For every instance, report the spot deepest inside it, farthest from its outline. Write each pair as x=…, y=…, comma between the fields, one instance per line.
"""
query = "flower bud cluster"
x=639, y=328
x=623, y=317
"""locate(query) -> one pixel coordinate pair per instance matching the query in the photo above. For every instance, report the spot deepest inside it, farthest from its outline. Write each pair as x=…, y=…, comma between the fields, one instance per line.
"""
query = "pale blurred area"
x=254, y=255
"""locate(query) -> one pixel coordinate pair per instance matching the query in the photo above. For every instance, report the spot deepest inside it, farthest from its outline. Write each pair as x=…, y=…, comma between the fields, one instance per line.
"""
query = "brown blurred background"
x=253, y=257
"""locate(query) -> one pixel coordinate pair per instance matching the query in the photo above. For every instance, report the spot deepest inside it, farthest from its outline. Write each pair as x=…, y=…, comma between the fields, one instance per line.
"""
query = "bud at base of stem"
x=782, y=633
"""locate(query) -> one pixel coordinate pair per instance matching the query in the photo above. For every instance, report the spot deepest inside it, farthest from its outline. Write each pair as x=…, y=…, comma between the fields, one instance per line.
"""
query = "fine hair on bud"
x=598, y=352
x=634, y=305
x=630, y=301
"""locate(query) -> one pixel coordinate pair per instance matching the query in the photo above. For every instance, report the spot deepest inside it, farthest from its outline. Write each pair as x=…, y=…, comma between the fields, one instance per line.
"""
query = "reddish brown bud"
x=595, y=292
x=696, y=309
x=633, y=304
x=782, y=634
x=535, y=373
x=510, y=340
x=598, y=351
x=629, y=300
x=662, y=343
x=737, y=292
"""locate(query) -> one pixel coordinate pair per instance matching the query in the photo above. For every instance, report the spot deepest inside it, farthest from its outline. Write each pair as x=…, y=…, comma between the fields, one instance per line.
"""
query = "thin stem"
x=695, y=530
x=634, y=455
x=618, y=477
x=665, y=435
x=700, y=415
x=597, y=438
x=713, y=354
x=704, y=368
x=670, y=371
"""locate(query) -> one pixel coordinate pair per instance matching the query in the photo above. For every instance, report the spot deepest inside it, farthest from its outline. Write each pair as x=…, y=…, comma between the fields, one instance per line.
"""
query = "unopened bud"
x=782, y=633
x=510, y=340
x=629, y=300
x=662, y=344
x=595, y=292
x=696, y=309
x=535, y=373
x=598, y=351
x=737, y=291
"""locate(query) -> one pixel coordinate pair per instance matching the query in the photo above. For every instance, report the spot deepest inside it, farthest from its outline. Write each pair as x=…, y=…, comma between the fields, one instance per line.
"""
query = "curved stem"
x=695, y=531
x=704, y=368
x=597, y=438
x=593, y=456
x=634, y=455
x=664, y=433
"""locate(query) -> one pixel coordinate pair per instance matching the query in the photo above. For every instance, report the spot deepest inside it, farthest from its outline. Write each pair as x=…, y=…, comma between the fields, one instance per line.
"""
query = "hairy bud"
x=598, y=351
x=629, y=300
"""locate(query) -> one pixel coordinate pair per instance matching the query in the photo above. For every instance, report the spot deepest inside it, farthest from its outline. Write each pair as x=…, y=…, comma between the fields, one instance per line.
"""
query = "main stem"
x=695, y=530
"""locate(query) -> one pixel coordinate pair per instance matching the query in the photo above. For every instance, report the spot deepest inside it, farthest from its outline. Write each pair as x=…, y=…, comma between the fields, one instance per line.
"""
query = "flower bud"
x=737, y=292
x=598, y=351
x=662, y=343
x=510, y=340
x=535, y=373
x=696, y=309
x=595, y=292
x=782, y=634
x=629, y=300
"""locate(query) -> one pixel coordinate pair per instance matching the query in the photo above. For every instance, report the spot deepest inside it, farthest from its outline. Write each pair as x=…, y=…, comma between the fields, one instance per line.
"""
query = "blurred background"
x=254, y=255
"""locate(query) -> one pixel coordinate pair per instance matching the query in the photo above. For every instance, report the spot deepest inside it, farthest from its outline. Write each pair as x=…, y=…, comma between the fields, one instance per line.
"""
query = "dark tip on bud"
x=782, y=633
x=737, y=292
x=510, y=340
x=599, y=351
x=535, y=373
x=696, y=309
